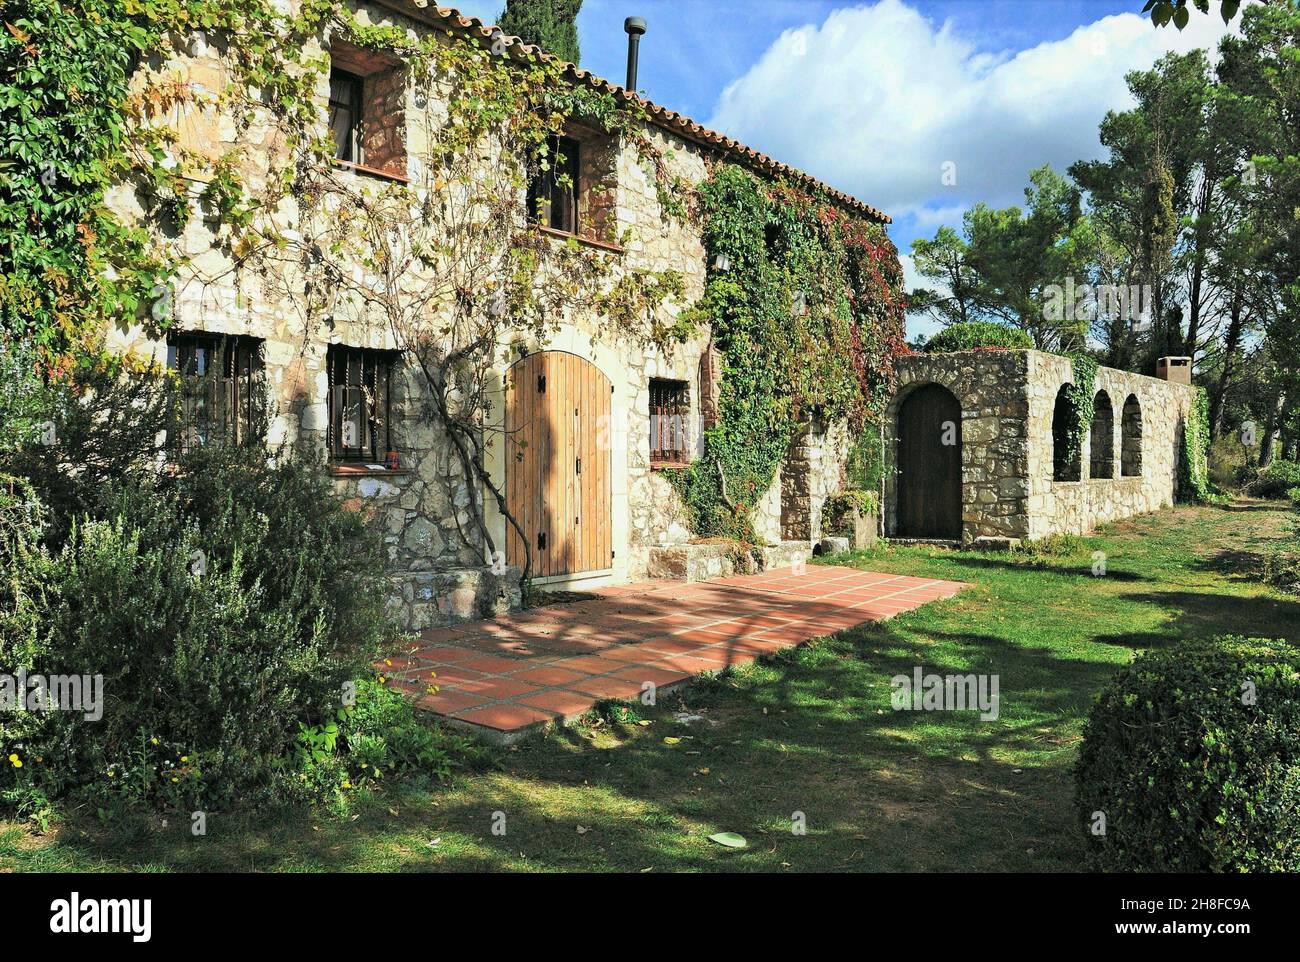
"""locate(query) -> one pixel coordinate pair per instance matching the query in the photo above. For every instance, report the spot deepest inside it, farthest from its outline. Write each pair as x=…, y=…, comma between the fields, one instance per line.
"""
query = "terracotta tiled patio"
x=552, y=664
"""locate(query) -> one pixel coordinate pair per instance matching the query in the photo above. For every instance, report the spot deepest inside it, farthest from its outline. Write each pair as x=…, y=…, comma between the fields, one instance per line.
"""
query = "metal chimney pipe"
x=634, y=26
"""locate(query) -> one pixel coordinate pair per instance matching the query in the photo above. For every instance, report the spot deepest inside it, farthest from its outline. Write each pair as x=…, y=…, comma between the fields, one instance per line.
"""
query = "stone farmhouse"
x=596, y=509
x=602, y=420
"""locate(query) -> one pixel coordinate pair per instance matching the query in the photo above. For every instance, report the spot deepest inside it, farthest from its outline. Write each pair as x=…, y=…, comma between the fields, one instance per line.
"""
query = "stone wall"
x=1008, y=400
x=992, y=388
x=1076, y=507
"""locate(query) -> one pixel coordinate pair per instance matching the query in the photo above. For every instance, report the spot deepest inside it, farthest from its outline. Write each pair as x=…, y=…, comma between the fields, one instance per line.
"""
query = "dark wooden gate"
x=929, y=464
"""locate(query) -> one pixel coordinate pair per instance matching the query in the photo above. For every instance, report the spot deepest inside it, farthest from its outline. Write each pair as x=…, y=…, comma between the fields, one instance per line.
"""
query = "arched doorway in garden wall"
x=558, y=477
x=929, y=464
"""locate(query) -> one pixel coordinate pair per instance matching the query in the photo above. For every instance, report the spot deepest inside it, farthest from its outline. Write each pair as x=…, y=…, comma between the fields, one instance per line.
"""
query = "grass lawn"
x=811, y=731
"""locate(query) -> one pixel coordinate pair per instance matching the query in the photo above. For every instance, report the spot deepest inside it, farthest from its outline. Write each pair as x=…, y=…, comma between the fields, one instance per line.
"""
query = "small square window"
x=360, y=385
x=670, y=412
x=221, y=388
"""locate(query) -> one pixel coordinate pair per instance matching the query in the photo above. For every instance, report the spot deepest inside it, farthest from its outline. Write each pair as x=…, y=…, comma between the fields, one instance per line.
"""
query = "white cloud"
x=877, y=100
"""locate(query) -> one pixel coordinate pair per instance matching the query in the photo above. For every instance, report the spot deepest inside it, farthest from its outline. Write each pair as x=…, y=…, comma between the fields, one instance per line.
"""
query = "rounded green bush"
x=977, y=334
x=1192, y=758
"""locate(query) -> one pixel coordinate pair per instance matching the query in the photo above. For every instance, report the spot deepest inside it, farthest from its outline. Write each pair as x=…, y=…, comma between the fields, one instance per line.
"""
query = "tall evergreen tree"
x=550, y=24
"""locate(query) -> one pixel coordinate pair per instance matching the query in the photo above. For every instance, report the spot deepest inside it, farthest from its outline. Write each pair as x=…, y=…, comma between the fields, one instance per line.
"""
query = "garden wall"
x=1012, y=484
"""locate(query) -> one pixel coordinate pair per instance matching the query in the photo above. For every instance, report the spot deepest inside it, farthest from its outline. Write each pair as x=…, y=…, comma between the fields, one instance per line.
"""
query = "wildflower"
x=153, y=741
x=347, y=784
x=185, y=758
x=15, y=761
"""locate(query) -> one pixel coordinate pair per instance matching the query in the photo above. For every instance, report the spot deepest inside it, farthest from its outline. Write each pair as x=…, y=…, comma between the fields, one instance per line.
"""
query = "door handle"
x=541, y=541
x=579, y=466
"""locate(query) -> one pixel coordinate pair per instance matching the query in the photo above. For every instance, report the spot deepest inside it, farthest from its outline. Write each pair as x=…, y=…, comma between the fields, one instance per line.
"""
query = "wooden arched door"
x=929, y=464
x=558, y=468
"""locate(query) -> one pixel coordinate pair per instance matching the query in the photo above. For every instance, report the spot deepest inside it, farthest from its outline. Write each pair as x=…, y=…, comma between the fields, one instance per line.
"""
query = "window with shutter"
x=220, y=391
x=670, y=411
x=360, y=384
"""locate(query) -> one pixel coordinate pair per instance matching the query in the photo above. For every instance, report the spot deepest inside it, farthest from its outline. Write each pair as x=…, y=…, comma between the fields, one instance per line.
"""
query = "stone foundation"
x=430, y=599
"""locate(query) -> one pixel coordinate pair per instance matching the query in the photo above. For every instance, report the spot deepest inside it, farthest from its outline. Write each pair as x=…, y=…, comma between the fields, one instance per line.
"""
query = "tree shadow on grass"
x=1195, y=615
x=810, y=732
x=1052, y=566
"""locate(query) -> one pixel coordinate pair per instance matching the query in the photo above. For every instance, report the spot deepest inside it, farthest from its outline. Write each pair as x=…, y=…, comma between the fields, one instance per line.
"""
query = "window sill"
x=669, y=465
x=374, y=172
x=584, y=241
x=363, y=470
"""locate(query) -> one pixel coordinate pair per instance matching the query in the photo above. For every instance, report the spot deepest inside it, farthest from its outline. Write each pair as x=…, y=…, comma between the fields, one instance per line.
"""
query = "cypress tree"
x=550, y=24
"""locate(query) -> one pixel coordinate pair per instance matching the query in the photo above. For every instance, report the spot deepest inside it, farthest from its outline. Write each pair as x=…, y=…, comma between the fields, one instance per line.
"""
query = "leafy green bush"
x=977, y=334
x=1275, y=480
x=1192, y=755
x=223, y=602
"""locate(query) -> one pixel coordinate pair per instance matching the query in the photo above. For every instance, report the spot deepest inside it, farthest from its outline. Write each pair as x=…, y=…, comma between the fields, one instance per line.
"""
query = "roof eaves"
x=455, y=21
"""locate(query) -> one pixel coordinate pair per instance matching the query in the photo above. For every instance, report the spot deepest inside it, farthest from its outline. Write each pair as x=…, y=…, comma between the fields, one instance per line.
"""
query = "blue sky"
x=881, y=98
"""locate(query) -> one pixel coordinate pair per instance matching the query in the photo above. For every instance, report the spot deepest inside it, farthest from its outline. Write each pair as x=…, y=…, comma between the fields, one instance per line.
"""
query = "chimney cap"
x=634, y=25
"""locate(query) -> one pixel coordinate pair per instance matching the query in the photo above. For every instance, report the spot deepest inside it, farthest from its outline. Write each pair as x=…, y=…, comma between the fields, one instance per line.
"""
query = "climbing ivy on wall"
x=73, y=127
x=806, y=307
x=1194, y=480
x=68, y=265
x=1079, y=394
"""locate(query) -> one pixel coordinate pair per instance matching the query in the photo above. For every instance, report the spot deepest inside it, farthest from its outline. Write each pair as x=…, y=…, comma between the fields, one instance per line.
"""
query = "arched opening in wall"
x=1101, y=464
x=1130, y=453
x=929, y=464
x=1065, y=462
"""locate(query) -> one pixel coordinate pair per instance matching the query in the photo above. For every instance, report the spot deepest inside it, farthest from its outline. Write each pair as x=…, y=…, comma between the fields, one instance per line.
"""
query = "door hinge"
x=541, y=541
x=541, y=384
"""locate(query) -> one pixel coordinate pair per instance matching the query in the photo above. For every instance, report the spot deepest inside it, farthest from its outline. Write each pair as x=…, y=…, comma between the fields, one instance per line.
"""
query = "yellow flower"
x=153, y=741
x=175, y=779
x=347, y=784
x=381, y=679
x=15, y=761
x=185, y=758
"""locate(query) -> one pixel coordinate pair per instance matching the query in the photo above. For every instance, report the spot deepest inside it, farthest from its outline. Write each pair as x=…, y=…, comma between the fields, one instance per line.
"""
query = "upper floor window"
x=554, y=183
x=220, y=387
x=345, y=115
x=360, y=386
x=367, y=110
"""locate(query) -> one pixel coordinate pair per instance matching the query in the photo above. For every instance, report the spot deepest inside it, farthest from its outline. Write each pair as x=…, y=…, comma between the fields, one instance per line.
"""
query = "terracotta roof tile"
x=455, y=21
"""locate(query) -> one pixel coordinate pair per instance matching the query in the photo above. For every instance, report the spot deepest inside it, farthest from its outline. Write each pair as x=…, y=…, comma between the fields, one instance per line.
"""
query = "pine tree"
x=550, y=24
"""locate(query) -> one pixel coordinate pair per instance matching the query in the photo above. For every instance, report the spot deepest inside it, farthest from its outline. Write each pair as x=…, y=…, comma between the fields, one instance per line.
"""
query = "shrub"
x=973, y=335
x=1193, y=755
x=223, y=605
x=1275, y=480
